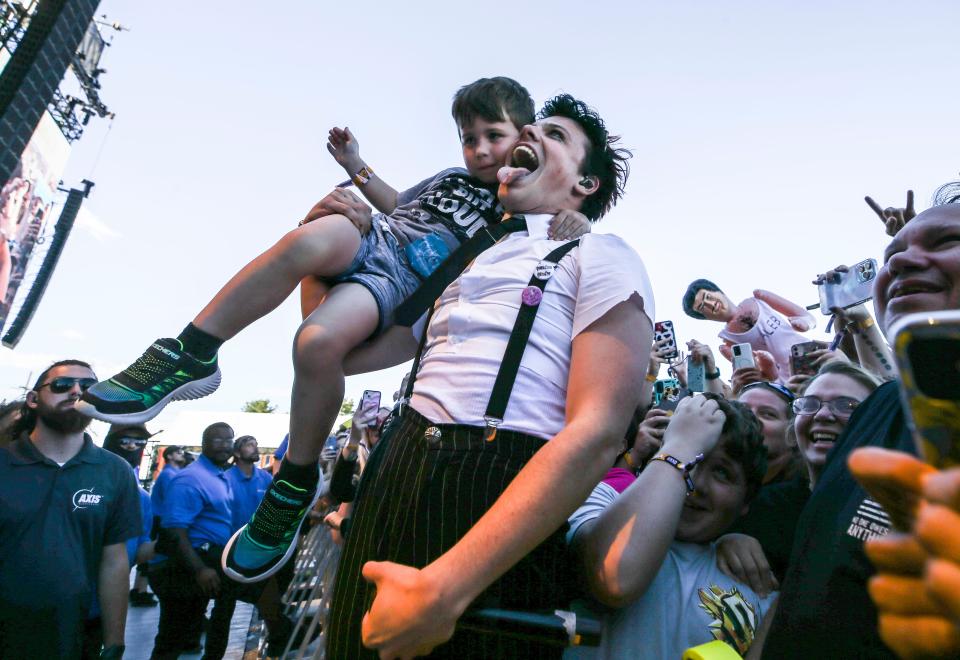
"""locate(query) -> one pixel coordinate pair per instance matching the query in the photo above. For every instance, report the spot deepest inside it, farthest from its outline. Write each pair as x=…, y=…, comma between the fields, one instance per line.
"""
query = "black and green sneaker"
x=261, y=547
x=138, y=393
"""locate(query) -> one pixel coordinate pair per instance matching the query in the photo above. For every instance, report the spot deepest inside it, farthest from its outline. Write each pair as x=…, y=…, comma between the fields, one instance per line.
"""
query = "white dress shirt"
x=474, y=317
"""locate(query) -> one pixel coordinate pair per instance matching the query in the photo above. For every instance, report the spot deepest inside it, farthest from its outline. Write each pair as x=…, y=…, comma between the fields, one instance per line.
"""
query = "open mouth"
x=523, y=156
x=823, y=440
x=523, y=161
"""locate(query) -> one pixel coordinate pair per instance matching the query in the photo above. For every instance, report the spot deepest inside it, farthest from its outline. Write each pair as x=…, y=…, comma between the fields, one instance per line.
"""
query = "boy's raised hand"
x=567, y=225
x=694, y=427
x=345, y=149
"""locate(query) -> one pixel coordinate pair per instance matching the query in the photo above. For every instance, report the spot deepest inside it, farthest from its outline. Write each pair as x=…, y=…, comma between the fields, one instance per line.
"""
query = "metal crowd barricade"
x=307, y=598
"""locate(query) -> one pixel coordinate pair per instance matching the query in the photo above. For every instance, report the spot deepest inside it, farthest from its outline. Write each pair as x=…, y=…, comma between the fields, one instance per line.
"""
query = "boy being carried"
x=649, y=550
x=364, y=278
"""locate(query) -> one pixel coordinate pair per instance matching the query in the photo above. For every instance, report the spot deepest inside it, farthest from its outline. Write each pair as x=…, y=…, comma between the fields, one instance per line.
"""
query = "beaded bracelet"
x=684, y=468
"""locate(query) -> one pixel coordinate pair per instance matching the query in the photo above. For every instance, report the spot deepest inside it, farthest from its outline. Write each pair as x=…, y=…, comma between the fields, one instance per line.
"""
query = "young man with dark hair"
x=67, y=508
x=360, y=277
x=649, y=552
x=462, y=504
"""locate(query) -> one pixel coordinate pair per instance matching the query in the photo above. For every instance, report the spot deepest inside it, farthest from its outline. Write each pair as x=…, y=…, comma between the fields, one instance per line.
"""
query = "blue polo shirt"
x=54, y=523
x=247, y=493
x=199, y=499
x=282, y=449
x=159, y=491
x=146, y=517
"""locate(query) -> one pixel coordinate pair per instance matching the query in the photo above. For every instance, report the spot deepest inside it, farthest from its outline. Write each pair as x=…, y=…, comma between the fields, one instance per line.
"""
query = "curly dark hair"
x=493, y=99
x=742, y=439
x=603, y=160
x=691, y=295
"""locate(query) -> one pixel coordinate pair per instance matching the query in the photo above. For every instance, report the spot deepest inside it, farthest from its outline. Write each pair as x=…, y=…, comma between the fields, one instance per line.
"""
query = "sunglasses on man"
x=130, y=441
x=63, y=384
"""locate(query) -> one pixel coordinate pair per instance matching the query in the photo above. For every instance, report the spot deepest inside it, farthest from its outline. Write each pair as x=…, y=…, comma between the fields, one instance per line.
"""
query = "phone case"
x=800, y=361
x=927, y=351
x=664, y=330
x=696, y=376
x=370, y=400
x=666, y=392
x=855, y=287
x=743, y=356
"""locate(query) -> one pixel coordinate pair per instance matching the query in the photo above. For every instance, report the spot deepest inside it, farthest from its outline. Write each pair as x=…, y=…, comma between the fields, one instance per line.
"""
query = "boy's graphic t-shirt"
x=689, y=602
x=451, y=205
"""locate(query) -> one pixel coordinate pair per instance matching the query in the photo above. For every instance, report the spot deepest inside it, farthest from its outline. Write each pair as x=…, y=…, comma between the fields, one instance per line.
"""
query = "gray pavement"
x=142, y=627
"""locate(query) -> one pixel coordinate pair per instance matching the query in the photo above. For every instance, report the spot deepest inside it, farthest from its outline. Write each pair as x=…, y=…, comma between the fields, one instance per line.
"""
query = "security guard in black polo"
x=66, y=509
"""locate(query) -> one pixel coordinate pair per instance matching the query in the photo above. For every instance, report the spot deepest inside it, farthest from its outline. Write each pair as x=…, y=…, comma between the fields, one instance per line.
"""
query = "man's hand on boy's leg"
x=345, y=203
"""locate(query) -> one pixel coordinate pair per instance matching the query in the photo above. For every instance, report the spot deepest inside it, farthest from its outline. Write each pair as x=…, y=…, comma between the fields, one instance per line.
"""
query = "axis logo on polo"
x=85, y=497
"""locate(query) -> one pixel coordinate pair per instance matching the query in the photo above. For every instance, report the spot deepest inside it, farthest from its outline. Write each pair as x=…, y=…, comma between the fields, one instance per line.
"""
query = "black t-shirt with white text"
x=824, y=609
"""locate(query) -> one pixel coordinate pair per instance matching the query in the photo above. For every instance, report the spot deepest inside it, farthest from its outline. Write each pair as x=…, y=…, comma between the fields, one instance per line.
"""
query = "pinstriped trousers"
x=416, y=499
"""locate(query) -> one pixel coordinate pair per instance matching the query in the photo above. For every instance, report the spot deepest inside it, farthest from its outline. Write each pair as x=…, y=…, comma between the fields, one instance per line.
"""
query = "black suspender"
x=517, y=344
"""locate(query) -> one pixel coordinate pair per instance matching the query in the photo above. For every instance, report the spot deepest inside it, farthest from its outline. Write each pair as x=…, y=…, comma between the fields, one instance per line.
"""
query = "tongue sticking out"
x=507, y=174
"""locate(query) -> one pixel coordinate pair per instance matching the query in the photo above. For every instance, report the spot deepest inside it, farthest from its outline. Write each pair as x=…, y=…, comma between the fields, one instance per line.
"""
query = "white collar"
x=537, y=224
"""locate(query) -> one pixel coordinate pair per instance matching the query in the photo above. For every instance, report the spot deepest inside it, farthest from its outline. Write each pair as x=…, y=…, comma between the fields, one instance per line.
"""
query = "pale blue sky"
x=757, y=128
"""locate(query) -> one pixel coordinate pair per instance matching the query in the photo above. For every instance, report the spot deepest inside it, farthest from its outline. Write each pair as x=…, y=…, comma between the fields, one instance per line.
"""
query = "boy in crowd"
x=653, y=558
x=365, y=278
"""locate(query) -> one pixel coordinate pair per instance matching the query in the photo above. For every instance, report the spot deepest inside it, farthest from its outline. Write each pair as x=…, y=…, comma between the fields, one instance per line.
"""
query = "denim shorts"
x=383, y=268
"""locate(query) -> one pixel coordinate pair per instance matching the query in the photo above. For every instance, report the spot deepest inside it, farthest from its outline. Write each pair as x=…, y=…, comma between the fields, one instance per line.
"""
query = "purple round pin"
x=531, y=296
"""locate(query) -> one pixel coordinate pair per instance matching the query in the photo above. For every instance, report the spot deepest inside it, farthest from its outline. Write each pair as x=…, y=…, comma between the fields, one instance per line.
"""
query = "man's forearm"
x=622, y=550
x=603, y=389
x=874, y=354
x=529, y=510
x=112, y=583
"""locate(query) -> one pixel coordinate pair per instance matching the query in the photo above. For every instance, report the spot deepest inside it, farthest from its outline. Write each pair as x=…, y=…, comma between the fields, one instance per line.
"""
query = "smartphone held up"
x=927, y=350
x=663, y=331
x=370, y=401
x=850, y=288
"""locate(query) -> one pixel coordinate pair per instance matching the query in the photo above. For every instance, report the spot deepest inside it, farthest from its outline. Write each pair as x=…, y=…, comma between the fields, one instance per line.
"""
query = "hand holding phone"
x=802, y=358
x=845, y=287
x=663, y=332
x=742, y=356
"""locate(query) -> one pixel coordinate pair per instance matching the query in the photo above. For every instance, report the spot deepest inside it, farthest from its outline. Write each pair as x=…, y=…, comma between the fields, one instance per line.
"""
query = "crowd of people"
x=535, y=460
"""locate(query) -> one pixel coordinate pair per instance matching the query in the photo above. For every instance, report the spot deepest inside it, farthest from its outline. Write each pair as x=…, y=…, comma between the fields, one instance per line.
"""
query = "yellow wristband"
x=363, y=176
x=651, y=378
